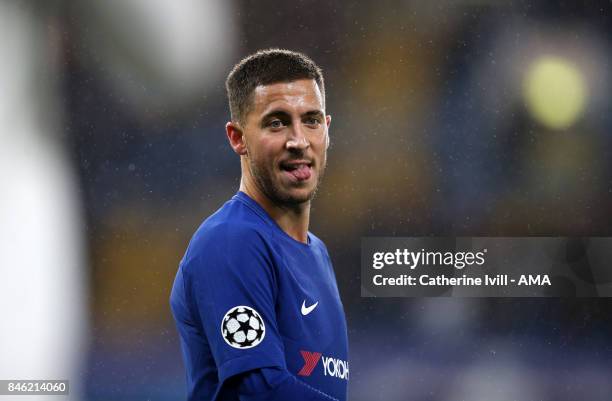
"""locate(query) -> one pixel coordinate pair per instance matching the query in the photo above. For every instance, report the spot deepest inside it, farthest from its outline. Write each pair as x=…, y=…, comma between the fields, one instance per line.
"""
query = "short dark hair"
x=267, y=67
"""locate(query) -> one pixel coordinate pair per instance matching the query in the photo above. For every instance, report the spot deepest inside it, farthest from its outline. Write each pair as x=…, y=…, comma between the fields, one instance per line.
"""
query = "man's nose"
x=298, y=139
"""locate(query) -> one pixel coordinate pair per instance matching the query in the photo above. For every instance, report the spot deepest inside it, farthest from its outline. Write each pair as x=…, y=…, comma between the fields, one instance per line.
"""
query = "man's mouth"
x=300, y=170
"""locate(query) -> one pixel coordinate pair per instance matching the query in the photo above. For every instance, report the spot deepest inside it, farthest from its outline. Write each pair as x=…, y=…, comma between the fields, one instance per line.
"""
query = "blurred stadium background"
x=468, y=117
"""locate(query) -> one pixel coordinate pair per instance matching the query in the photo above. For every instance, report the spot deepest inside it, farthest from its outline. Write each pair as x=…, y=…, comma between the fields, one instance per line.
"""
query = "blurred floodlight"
x=555, y=92
x=158, y=54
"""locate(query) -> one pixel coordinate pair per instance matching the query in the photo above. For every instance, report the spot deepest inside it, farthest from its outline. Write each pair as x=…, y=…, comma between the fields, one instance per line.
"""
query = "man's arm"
x=275, y=384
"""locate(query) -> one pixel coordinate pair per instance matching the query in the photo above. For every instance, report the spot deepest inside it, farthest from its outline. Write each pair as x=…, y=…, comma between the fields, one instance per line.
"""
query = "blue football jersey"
x=248, y=296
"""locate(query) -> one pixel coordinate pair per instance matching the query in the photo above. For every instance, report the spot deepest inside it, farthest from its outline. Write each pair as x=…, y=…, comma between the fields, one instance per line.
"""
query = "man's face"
x=286, y=140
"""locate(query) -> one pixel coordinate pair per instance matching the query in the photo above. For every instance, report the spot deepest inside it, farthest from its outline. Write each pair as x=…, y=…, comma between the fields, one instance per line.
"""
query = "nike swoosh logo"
x=307, y=310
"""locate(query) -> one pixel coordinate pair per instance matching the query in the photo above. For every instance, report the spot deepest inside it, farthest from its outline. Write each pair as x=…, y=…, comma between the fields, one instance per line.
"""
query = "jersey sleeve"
x=230, y=282
x=273, y=384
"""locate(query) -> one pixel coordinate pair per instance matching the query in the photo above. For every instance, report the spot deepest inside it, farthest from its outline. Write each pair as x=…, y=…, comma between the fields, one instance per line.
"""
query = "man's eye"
x=312, y=121
x=275, y=124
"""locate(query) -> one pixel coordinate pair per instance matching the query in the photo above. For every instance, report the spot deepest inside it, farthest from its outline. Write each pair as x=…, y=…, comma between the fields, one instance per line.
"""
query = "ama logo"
x=331, y=366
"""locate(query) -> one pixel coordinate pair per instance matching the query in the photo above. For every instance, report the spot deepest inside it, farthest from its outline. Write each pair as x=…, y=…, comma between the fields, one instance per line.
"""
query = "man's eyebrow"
x=275, y=113
x=315, y=113
x=285, y=115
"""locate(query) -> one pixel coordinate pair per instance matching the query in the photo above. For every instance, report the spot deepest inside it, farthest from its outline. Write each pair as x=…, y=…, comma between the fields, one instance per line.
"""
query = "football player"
x=255, y=297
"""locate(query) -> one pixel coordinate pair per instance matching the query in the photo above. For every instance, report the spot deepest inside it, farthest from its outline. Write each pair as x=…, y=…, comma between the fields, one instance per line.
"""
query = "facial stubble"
x=264, y=181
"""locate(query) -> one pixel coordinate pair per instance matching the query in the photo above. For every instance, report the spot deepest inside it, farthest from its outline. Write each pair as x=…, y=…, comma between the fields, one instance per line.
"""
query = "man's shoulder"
x=233, y=220
x=229, y=229
x=224, y=231
x=317, y=242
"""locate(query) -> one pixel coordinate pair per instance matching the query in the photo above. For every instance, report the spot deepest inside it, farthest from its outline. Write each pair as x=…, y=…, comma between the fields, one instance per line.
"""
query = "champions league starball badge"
x=242, y=327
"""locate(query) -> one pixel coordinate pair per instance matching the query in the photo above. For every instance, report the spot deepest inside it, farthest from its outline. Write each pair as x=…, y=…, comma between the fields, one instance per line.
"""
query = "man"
x=255, y=297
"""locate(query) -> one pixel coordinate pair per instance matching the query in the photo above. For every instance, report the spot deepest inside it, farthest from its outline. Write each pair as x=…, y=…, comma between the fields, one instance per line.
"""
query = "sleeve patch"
x=242, y=327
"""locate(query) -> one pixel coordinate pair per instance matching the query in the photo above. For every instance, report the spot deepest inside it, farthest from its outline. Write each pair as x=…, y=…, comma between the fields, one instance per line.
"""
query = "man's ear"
x=328, y=122
x=235, y=135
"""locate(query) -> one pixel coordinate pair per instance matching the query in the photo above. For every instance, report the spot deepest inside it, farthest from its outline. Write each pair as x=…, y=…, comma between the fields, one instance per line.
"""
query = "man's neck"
x=293, y=220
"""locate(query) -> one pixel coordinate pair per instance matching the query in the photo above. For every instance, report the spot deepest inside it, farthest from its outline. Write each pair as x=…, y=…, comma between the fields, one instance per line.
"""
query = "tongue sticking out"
x=301, y=173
